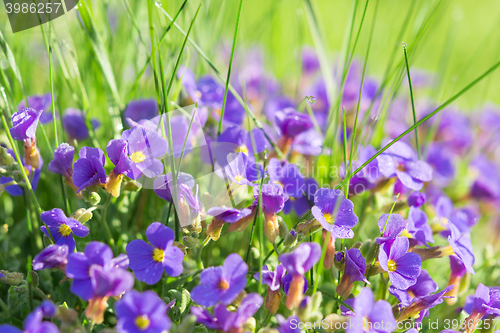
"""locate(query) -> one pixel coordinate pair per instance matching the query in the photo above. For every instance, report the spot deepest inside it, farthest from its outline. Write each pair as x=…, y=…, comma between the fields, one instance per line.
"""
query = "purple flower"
x=297, y=263
x=310, y=62
x=334, y=212
x=221, y=283
x=40, y=103
x=304, y=202
x=229, y=214
x=235, y=140
x=487, y=184
x=96, y=274
x=416, y=199
x=370, y=316
x=235, y=169
x=24, y=124
x=287, y=281
x=140, y=109
x=48, y=308
x=286, y=324
x=441, y=160
x=273, y=198
x=391, y=226
x=288, y=176
x=486, y=302
x=74, y=124
x=461, y=247
x=275, y=104
x=89, y=168
x=144, y=147
x=420, y=305
x=225, y=320
x=400, y=161
x=270, y=278
x=423, y=287
x=62, y=228
x=403, y=267
x=141, y=312
x=53, y=256
x=33, y=324
x=354, y=270
x=149, y=261
x=62, y=163
x=418, y=227
x=291, y=123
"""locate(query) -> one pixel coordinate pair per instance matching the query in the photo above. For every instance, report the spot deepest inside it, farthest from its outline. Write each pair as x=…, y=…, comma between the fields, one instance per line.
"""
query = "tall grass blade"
x=13, y=65
x=412, y=100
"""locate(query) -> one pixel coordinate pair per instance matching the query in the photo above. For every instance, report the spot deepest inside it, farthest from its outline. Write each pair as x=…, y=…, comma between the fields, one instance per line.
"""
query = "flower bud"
x=82, y=215
x=49, y=309
x=175, y=313
x=249, y=325
x=330, y=250
x=131, y=185
x=21, y=289
x=271, y=227
x=34, y=278
x=273, y=299
x=12, y=278
x=6, y=160
x=96, y=308
x=295, y=292
x=214, y=228
x=91, y=197
x=190, y=242
x=17, y=175
x=290, y=239
x=283, y=229
x=65, y=314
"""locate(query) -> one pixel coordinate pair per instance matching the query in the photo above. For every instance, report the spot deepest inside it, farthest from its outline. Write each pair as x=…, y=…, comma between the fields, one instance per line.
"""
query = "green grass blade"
x=229, y=68
x=412, y=100
x=13, y=65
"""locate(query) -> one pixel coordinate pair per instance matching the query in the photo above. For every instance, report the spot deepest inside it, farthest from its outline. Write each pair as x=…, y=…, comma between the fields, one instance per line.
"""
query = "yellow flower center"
x=238, y=178
x=142, y=322
x=328, y=217
x=366, y=324
x=405, y=233
x=223, y=284
x=447, y=251
x=242, y=149
x=137, y=157
x=64, y=230
x=158, y=255
x=392, y=265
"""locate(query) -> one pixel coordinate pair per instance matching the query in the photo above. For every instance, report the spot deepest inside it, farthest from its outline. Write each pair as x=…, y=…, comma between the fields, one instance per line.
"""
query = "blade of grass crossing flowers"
x=430, y=115
x=344, y=124
x=412, y=100
x=230, y=86
x=230, y=66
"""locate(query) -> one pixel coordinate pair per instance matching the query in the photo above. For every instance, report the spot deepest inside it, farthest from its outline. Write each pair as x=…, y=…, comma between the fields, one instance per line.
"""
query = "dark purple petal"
x=62, y=163
x=24, y=124
x=160, y=236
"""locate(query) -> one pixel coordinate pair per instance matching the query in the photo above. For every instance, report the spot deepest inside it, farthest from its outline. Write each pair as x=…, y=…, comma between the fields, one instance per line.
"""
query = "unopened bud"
x=273, y=299
x=82, y=215
x=271, y=227
x=190, y=242
x=17, y=175
x=131, y=185
x=357, y=245
x=175, y=313
x=290, y=239
x=5, y=158
x=12, y=278
x=22, y=289
x=283, y=228
x=339, y=260
x=91, y=197
x=34, y=278
x=66, y=314
x=330, y=250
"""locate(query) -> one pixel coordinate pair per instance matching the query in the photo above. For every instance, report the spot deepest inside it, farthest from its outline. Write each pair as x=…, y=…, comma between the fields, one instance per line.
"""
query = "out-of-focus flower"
x=310, y=62
x=416, y=199
x=370, y=316
x=441, y=160
x=88, y=170
x=24, y=125
x=334, y=212
x=368, y=176
x=40, y=103
x=487, y=184
x=288, y=325
x=149, y=261
x=235, y=140
x=140, y=109
x=221, y=283
x=141, y=312
x=53, y=256
x=401, y=161
x=403, y=267
x=74, y=124
x=297, y=264
x=288, y=176
x=62, y=228
x=291, y=123
x=273, y=200
x=33, y=175
x=33, y=324
x=274, y=281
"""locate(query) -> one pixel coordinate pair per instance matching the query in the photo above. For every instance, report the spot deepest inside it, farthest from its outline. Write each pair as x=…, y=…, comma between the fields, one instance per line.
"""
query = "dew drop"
x=158, y=4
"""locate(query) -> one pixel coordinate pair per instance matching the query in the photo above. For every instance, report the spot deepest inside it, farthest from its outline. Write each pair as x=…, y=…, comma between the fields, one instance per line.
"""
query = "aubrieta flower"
x=291, y=122
x=40, y=103
x=418, y=227
x=274, y=281
x=235, y=169
x=53, y=256
x=370, y=316
x=354, y=270
x=74, y=124
x=24, y=125
x=416, y=199
x=236, y=140
x=140, y=109
x=420, y=305
x=367, y=178
x=88, y=170
x=334, y=212
x=222, y=283
x=403, y=267
x=273, y=200
x=144, y=147
x=297, y=263
x=401, y=161
x=486, y=302
x=96, y=274
x=229, y=214
x=305, y=201
x=141, y=312
x=391, y=226
x=225, y=320
x=117, y=153
x=149, y=261
x=62, y=163
x=62, y=228
x=461, y=247
x=423, y=287
x=33, y=324
x=287, y=175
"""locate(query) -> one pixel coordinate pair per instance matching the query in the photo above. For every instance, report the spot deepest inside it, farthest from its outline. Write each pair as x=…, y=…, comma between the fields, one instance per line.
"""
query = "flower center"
x=242, y=149
x=401, y=167
x=328, y=217
x=137, y=157
x=366, y=324
x=238, y=178
x=64, y=230
x=223, y=284
x=158, y=255
x=447, y=251
x=142, y=322
x=392, y=265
